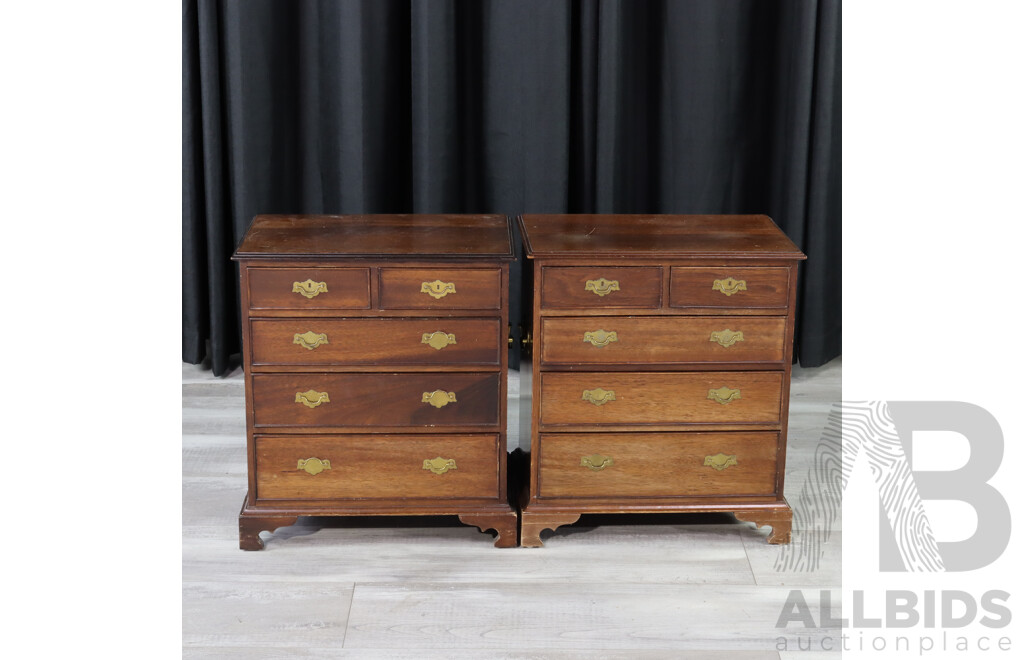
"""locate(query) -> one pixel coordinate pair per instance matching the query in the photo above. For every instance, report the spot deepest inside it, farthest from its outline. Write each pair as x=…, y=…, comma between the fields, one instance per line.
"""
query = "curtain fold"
x=507, y=106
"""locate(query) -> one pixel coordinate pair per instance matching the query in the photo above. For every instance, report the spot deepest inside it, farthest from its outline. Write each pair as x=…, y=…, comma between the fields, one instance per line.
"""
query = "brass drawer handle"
x=726, y=337
x=601, y=286
x=720, y=461
x=599, y=397
x=723, y=395
x=729, y=286
x=438, y=339
x=440, y=465
x=437, y=288
x=596, y=462
x=314, y=465
x=310, y=339
x=312, y=398
x=309, y=288
x=439, y=398
x=600, y=338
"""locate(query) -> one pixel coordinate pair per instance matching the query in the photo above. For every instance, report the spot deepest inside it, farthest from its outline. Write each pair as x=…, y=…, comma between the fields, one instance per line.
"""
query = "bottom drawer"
x=657, y=464
x=298, y=467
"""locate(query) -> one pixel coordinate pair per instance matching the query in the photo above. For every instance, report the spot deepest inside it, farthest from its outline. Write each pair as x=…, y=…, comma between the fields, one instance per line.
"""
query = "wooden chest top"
x=358, y=236
x=627, y=236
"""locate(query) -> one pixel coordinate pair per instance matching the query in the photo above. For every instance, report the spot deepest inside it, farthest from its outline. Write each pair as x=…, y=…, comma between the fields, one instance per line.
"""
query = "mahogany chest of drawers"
x=375, y=357
x=662, y=348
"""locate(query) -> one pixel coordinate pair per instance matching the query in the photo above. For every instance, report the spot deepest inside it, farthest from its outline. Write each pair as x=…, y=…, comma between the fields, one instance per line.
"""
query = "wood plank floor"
x=699, y=587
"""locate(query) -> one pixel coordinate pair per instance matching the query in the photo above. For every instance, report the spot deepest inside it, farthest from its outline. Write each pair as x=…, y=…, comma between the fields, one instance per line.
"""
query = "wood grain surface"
x=657, y=464
x=643, y=340
x=377, y=342
x=375, y=466
x=376, y=400
x=660, y=399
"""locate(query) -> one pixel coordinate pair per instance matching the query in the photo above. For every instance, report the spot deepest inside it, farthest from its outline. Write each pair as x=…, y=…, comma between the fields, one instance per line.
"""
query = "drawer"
x=385, y=400
x=629, y=398
x=568, y=287
x=661, y=339
x=432, y=288
x=376, y=466
x=426, y=341
x=729, y=287
x=309, y=288
x=657, y=464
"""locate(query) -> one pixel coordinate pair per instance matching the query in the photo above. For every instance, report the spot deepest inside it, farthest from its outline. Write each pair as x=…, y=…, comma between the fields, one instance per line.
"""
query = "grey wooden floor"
x=698, y=587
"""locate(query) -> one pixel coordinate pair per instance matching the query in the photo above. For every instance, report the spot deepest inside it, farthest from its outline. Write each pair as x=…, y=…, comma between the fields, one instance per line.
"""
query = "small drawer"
x=309, y=288
x=301, y=467
x=385, y=400
x=414, y=342
x=570, y=287
x=661, y=340
x=731, y=288
x=660, y=399
x=657, y=464
x=431, y=288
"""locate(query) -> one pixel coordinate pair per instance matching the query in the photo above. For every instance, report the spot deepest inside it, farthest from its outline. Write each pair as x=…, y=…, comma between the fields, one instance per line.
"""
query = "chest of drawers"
x=662, y=349
x=375, y=357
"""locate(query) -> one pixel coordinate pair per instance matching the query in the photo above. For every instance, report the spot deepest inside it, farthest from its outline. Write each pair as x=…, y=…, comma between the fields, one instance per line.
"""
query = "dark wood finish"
x=597, y=237
x=274, y=288
x=376, y=342
x=661, y=425
x=357, y=401
x=660, y=399
x=414, y=236
x=672, y=340
x=250, y=525
x=504, y=524
x=532, y=524
x=566, y=288
x=402, y=288
x=656, y=464
x=762, y=287
x=780, y=519
x=376, y=466
x=375, y=369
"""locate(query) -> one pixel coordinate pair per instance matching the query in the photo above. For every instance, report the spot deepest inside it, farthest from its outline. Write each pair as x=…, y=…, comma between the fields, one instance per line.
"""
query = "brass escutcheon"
x=438, y=339
x=601, y=286
x=437, y=288
x=310, y=339
x=314, y=465
x=439, y=465
x=309, y=288
x=726, y=337
x=599, y=396
x=312, y=398
x=720, y=461
x=600, y=338
x=729, y=286
x=596, y=462
x=439, y=398
x=723, y=395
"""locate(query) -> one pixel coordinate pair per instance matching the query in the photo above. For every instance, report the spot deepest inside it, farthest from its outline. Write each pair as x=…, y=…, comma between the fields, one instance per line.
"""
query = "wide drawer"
x=294, y=467
x=730, y=288
x=427, y=341
x=657, y=464
x=376, y=400
x=309, y=288
x=570, y=287
x=630, y=398
x=661, y=340
x=433, y=288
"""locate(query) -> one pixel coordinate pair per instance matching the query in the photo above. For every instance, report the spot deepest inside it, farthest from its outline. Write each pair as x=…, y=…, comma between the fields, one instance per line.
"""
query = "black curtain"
x=508, y=106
